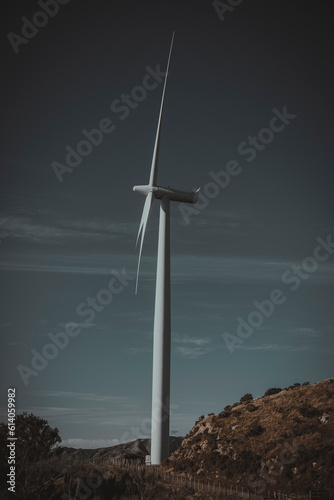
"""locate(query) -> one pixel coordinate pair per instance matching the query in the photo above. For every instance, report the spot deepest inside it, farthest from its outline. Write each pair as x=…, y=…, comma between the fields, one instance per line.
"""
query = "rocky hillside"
x=282, y=441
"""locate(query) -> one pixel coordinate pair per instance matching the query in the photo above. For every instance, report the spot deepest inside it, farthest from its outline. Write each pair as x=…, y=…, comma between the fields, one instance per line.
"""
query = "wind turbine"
x=162, y=320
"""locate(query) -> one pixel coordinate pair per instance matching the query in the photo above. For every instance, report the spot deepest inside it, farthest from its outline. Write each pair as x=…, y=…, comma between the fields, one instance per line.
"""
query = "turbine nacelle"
x=142, y=189
x=171, y=194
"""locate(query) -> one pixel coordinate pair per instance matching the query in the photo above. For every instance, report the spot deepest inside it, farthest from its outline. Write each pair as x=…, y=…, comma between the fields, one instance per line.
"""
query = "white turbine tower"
x=162, y=321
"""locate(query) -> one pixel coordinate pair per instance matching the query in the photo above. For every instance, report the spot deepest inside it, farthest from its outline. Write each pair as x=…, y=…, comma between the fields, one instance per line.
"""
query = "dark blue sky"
x=250, y=95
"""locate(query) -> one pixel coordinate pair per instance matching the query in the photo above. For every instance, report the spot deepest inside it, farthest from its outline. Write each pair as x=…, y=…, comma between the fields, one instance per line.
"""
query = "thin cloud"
x=95, y=416
x=264, y=347
x=191, y=340
x=191, y=352
x=59, y=228
x=191, y=347
x=281, y=347
x=87, y=396
x=89, y=263
x=309, y=333
x=5, y=325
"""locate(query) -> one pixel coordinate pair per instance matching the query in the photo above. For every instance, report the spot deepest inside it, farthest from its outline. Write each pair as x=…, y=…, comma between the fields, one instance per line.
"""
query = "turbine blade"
x=142, y=228
x=155, y=159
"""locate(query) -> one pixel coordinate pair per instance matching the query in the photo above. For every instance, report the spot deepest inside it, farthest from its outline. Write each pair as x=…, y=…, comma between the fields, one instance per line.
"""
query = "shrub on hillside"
x=251, y=407
x=309, y=411
x=272, y=390
x=294, y=386
x=199, y=419
x=246, y=398
x=255, y=430
x=224, y=414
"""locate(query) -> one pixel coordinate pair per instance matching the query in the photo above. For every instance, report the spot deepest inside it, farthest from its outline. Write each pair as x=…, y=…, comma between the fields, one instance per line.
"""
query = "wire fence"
x=238, y=492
